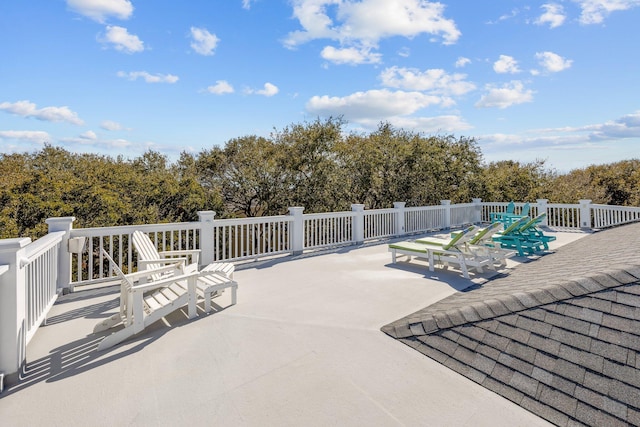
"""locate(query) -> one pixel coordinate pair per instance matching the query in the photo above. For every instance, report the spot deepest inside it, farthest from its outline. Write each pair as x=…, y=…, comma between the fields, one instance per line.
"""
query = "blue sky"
x=529, y=80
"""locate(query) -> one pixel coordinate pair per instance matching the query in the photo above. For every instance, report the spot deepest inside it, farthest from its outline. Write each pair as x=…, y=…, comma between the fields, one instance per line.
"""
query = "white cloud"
x=26, y=135
x=203, y=42
x=350, y=55
x=436, y=81
x=553, y=62
x=100, y=10
x=435, y=124
x=89, y=135
x=506, y=64
x=553, y=15
x=371, y=105
x=462, y=61
x=121, y=40
x=111, y=125
x=149, y=78
x=48, y=114
x=594, y=11
x=269, y=89
x=625, y=127
x=220, y=88
x=246, y=4
x=509, y=94
x=361, y=25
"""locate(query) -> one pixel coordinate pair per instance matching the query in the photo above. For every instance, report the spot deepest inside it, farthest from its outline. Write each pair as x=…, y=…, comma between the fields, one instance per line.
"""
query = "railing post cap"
x=584, y=201
x=14, y=244
x=542, y=200
x=399, y=205
x=62, y=223
x=357, y=207
x=204, y=215
x=476, y=200
x=445, y=202
x=296, y=210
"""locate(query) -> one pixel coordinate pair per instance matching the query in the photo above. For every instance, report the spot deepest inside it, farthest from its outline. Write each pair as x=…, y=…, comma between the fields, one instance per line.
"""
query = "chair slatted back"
x=146, y=251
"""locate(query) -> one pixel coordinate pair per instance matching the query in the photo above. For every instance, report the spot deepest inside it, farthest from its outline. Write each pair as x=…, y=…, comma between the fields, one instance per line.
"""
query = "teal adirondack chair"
x=532, y=232
x=507, y=219
x=513, y=238
x=499, y=216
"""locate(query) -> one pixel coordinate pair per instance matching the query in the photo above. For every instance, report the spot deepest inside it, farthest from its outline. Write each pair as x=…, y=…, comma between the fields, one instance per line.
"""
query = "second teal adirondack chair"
x=532, y=232
x=507, y=219
x=498, y=216
x=513, y=238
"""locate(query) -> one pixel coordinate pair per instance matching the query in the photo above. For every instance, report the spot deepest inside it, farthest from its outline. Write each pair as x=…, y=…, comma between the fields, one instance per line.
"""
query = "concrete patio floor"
x=303, y=346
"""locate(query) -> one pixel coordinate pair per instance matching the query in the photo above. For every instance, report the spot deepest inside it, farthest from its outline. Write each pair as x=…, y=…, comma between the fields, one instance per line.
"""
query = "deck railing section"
x=604, y=216
x=90, y=265
x=424, y=219
x=40, y=265
x=32, y=274
x=246, y=238
x=380, y=223
x=328, y=229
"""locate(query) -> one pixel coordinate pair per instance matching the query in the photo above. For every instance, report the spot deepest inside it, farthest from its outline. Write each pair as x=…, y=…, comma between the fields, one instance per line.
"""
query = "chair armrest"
x=146, y=262
x=146, y=273
x=194, y=253
x=143, y=287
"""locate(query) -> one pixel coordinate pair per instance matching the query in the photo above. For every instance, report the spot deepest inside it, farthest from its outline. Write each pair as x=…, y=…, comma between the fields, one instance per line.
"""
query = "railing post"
x=585, y=214
x=297, y=230
x=12, y=308
x=207, y=244
x=64, y=257
x=358, y=223
x=447, y=213
x=478, y=210
x=399, y=206
x=542, y=209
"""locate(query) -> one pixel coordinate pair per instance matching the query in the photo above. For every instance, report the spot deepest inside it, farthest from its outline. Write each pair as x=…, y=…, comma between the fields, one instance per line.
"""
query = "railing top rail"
x=379, y=211
x=252, y=220
x=34, y=249
x=128, y=229
x=425, y=208
x=329, y=215
x=617, y=208
x=563, y=205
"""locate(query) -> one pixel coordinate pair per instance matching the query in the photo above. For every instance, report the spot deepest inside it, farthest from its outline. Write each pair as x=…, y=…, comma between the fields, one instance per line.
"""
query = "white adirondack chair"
x=211, y=280
x=144, y=303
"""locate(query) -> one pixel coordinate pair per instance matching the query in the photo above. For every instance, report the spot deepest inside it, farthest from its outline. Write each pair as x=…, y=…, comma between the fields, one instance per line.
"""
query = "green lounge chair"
x=445, y=254
x=481, y=244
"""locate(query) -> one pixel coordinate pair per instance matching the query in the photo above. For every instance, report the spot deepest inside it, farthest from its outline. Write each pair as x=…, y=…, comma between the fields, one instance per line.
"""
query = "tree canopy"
x=312, y=164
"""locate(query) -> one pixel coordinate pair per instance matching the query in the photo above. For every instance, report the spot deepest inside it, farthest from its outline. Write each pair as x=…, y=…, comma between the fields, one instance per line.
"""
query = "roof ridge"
x=514, y=302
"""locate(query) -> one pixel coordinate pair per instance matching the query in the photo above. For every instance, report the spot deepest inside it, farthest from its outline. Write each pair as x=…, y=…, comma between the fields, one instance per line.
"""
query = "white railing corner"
x=207, y=243
x=358, y=223
x=12, y=306
x=400, y=227
x=64, y=256
x=297, y=230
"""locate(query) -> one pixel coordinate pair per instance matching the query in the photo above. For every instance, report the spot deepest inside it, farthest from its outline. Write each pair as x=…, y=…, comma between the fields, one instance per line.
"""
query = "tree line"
x=312, y=164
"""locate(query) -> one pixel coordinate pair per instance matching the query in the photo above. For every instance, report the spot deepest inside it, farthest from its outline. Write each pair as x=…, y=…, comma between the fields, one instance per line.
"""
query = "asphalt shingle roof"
x=559, y=336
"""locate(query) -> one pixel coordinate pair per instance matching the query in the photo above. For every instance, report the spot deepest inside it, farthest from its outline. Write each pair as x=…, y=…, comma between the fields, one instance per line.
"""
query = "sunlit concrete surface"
x=303, y=346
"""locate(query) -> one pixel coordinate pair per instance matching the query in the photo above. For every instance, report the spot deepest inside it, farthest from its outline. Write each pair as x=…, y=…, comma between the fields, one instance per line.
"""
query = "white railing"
x=246, y=238
x=604, y=216
x=328, y=229
x=380, y=224
x=425, y=218
x=36, y=272
x=40, y=264
x=91, y=267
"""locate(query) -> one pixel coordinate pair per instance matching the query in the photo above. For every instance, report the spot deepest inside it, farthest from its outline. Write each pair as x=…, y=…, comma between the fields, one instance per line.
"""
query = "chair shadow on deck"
x=81, y=355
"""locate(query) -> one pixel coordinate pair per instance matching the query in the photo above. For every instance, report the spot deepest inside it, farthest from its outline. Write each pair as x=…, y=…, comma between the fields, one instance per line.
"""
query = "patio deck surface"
x=303, y=346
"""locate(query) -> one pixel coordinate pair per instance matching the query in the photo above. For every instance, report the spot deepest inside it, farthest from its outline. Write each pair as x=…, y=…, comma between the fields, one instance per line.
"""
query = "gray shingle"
x=545, y=411
x=526, y=384
x=556, y=399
